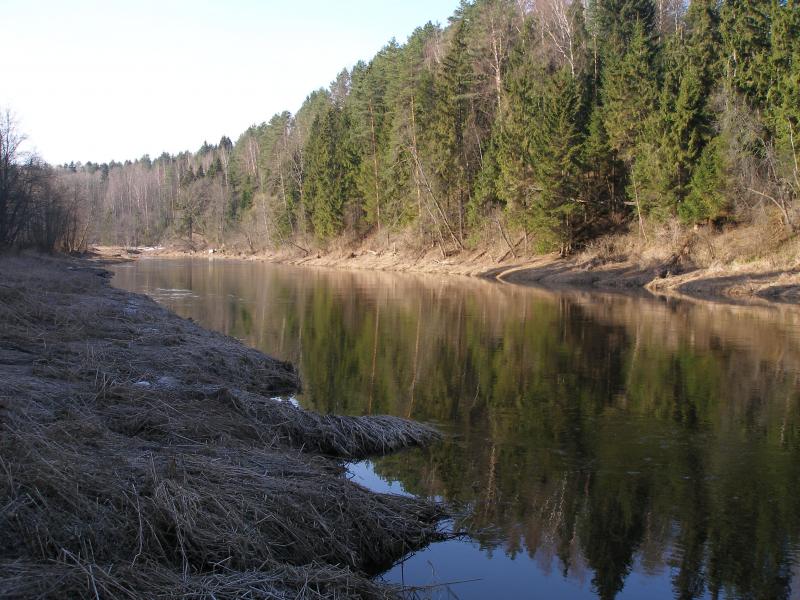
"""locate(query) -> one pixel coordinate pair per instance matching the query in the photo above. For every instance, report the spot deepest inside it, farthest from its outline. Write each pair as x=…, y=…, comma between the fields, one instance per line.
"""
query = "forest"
x=555, y=121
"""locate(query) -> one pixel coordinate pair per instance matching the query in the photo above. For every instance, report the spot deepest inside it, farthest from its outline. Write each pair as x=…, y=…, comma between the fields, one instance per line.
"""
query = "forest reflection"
x=599, y=434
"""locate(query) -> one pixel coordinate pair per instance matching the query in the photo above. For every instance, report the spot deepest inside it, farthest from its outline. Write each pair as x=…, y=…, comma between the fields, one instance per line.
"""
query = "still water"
x=597, y=445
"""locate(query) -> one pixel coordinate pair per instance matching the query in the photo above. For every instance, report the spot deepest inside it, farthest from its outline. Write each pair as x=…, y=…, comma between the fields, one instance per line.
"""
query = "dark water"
x=600, y=446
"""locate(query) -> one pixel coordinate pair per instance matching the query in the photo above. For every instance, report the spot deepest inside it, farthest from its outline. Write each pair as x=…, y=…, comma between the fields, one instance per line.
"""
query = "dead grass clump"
x=71, y=577
x=128, y=469
x=333, y=435
x=73, y=485
x=762, y=242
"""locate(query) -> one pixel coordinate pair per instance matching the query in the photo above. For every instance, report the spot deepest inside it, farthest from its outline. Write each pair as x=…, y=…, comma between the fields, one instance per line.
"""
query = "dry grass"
x=71, y=577
x=142, y=456
x=762, y=243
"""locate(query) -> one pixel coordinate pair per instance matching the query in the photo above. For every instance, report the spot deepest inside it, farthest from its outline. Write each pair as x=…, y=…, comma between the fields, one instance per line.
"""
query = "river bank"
x=145, y=456
x=745, y=264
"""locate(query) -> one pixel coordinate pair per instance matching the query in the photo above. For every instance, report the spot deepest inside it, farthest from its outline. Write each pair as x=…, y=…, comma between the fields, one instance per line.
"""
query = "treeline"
x=555, y=120
x=35, y=209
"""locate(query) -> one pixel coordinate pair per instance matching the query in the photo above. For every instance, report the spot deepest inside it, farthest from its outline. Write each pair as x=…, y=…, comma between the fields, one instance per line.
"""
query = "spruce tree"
x=630, y=94
x=745, y=28
x=275, y=162
x=332, y=164
x=614, y=22
x=316, y=104
x=784, y=95
x=629, y=97
x=683, y=125
x=707, y=198
x=452, y=110
x=603, y=169
x=410, y=100
x=691, y=122
x=541, y=157
x=371, y=121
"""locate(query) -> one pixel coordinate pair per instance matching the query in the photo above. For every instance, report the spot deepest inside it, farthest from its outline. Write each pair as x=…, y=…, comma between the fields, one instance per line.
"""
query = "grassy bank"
x=143, y=456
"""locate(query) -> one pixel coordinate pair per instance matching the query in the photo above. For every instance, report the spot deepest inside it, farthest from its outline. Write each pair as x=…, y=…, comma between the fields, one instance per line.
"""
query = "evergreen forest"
x=555, y=120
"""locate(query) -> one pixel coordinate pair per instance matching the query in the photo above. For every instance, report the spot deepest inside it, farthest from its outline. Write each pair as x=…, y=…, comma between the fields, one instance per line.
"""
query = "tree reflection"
x=606, y=433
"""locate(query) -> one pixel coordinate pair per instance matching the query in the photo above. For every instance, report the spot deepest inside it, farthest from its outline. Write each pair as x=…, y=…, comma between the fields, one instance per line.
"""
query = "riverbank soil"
x=143, y=456
x=756, y=262
x=748, y=264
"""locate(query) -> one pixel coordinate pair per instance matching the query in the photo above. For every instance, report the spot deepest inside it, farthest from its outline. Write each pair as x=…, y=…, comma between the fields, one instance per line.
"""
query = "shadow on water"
x=598, y=446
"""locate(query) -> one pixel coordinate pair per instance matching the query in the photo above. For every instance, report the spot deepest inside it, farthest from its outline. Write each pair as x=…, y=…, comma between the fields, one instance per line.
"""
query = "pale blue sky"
x=101, y=80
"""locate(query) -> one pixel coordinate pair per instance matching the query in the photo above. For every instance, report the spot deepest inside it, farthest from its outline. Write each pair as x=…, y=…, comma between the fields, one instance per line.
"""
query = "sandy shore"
x=143, y=456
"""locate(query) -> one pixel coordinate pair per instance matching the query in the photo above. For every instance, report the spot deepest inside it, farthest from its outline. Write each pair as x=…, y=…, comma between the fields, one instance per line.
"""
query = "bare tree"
x=494, y=28
x=15, y=181
x=669, y=15
x=48, y=222
x=556, y=18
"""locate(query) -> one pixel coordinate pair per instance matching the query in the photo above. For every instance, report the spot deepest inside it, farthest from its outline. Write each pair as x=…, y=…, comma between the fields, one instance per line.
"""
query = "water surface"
x=597, y=445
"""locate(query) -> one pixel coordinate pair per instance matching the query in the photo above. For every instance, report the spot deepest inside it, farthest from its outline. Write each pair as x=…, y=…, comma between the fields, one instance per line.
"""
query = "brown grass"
x=143, y=456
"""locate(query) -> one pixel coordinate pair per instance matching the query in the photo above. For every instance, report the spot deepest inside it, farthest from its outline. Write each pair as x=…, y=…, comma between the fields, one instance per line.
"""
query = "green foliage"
x=411, y=99
x=706, y=199
x=540, y=155
x=616, y=22
x=331, y=172
x=745, y=28
x=569, y=122
x=371, y=128
x=689, y=119
x=630, y=93
x=604, y=171
x=784, y=94
x=487, y=194
x=652, y=176
x=450, y=149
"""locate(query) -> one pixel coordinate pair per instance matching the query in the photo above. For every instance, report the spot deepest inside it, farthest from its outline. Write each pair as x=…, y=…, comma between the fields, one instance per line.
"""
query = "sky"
x=102, y=80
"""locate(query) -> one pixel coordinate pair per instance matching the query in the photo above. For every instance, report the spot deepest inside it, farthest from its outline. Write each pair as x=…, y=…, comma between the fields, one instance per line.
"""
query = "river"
x=611, y=446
